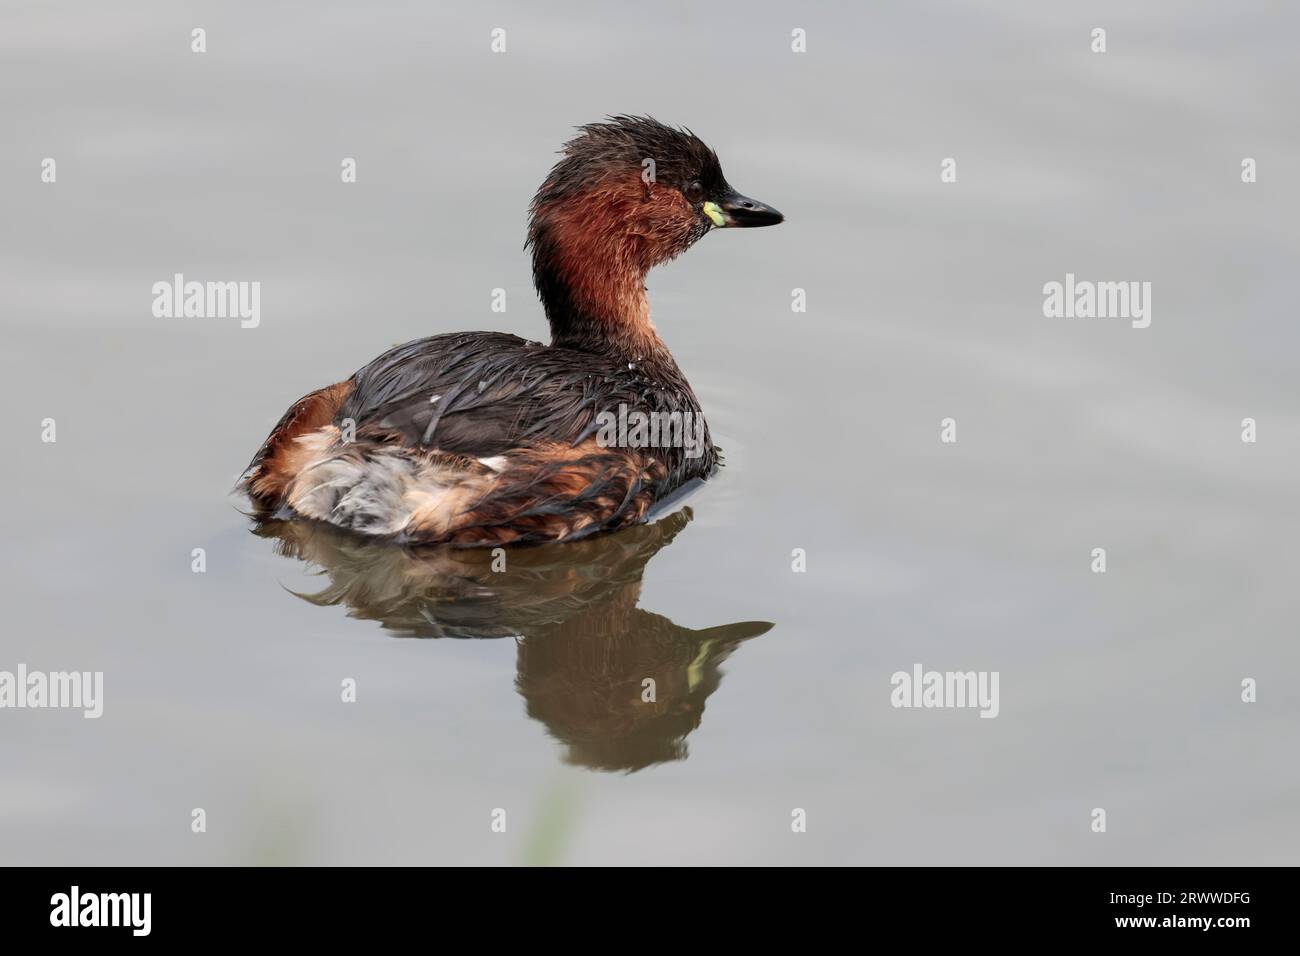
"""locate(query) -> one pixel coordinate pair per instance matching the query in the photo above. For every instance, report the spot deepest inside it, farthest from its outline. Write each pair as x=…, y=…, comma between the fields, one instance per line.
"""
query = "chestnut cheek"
x=668, y=226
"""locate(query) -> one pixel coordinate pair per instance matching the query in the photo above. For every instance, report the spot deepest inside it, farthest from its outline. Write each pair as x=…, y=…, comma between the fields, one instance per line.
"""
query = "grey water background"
x=1118, y=691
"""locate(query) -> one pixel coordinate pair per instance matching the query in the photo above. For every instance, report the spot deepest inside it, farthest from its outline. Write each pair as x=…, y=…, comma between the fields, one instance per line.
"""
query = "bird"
x=482, y=439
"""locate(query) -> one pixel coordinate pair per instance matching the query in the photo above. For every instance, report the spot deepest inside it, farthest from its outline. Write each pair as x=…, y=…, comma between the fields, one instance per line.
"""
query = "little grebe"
x=484, y=438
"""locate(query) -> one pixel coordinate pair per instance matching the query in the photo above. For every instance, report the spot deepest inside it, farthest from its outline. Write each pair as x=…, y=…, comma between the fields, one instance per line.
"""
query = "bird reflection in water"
x=585, y=651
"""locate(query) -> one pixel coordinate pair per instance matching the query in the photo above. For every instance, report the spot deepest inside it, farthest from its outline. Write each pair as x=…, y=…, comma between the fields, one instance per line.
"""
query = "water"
x=223, y=689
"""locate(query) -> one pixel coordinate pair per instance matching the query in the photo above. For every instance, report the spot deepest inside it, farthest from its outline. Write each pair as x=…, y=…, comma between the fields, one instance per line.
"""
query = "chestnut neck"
x=590, y=271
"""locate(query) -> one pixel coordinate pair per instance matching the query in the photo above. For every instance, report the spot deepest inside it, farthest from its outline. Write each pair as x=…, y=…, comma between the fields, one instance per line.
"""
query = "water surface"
x=924, y=302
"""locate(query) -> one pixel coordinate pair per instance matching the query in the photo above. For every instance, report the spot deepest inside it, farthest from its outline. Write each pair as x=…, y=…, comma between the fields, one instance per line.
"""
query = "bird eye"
x=694, y=192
